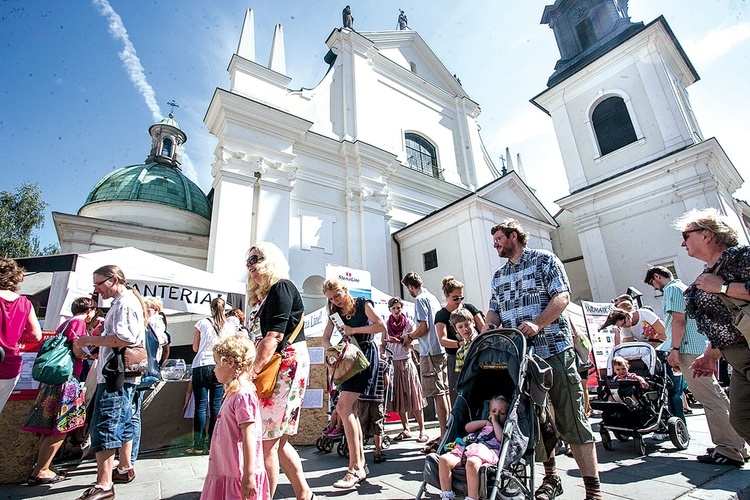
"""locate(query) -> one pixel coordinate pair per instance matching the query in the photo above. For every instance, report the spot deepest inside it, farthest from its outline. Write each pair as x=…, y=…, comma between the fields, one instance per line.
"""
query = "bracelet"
x=675, y=348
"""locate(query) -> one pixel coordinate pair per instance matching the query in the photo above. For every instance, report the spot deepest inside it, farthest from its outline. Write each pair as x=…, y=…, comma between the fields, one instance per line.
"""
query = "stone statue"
x=622, y=8
x=402, y=21
x=348, y=18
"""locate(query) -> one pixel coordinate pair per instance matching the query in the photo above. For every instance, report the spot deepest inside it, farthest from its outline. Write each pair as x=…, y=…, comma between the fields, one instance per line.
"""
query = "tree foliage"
x=21, y=214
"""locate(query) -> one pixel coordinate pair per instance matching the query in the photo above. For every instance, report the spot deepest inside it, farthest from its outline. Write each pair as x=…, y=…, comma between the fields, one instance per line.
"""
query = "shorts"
x=371, y=417
x=566, y=396
x=112, y=422
x=434, y=375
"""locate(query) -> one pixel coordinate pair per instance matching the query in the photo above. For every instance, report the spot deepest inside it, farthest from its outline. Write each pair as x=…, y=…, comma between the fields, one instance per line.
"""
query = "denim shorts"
x=112, y=422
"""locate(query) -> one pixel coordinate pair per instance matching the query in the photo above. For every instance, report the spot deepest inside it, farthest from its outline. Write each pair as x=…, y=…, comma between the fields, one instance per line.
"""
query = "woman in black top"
x=453, y=290
x=278, y=309
x=360, y=323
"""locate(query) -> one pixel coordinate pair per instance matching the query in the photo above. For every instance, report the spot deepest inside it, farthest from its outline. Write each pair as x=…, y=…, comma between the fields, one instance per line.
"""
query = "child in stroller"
x=622, y=372
x=481, y=446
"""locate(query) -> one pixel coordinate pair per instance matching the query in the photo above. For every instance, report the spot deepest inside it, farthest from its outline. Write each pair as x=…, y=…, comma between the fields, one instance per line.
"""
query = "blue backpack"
x=152, y=375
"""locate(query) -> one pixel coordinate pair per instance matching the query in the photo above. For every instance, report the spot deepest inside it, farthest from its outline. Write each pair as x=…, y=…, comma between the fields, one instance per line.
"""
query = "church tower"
x=633, y=152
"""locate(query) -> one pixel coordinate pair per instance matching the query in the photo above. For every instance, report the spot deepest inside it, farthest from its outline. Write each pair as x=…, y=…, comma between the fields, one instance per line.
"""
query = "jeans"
x=208, y=393
x=136, y=411
x=112, y=423
x=674, y=393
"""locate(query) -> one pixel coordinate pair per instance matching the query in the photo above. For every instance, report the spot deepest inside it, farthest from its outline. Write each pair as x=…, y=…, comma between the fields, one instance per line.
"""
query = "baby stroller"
x=497, y=362
x=637, y=411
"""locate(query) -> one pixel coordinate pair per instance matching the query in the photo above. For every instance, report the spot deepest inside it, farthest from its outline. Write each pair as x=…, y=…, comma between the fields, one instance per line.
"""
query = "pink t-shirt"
x=76, y=329
x=14, y=314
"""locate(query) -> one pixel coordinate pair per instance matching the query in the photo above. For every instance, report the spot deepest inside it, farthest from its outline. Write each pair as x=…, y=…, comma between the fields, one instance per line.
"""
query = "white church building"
x=381, y=166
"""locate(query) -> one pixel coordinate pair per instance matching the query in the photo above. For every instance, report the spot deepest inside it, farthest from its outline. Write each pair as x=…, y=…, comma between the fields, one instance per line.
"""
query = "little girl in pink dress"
x=235, y=465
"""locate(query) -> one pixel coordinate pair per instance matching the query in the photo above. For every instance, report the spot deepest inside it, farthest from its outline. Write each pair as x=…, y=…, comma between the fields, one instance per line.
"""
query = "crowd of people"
x=250, y=434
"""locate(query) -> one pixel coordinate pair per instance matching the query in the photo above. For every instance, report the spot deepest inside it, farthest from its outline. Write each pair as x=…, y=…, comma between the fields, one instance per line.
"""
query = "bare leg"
x=271, y=461
x=442, y=408
x=292, y=467
x=105, y=462
x=448, y=462
x=347, y=409
x=125, y=451
x=586, y=402
x=472, y=476
x=404, y=420
x=420, y=420
x=48, y=447
x=585, y=456
x=378, y=439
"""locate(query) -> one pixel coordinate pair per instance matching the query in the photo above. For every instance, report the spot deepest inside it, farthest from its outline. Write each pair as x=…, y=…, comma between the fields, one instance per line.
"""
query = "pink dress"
x=225, y=463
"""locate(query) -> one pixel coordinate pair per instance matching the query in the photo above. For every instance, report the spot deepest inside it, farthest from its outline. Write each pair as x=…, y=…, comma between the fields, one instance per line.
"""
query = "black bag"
x=152, y=375
x=113, y=372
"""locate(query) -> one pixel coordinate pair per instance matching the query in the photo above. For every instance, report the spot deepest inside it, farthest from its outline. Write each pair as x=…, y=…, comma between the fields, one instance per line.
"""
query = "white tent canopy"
x=181, y=288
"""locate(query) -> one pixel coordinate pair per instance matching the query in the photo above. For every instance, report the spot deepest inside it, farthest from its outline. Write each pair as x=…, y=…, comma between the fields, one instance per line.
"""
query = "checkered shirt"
x=521, y=291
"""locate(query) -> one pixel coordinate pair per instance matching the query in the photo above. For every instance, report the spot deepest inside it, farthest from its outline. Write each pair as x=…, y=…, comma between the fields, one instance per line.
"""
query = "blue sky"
x=71, y=110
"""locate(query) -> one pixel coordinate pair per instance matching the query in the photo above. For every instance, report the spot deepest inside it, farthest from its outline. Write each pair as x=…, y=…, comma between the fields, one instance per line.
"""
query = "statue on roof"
x=402, y=21
x=622, y=8
x=348, y=18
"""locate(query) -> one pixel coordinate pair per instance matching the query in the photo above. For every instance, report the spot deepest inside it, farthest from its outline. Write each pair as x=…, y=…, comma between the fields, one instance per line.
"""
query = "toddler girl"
x=486, y=437
x=621, y=367
x=235, y=464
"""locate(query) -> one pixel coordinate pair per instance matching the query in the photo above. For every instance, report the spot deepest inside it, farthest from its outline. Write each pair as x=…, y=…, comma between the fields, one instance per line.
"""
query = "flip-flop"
x=423, y=438
x=34, y=481
x=432, y=446
x=379, y=459
x=402, y=435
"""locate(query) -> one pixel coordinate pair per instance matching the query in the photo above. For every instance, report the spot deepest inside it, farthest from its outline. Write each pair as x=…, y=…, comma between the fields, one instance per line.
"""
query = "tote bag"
x=54, y=362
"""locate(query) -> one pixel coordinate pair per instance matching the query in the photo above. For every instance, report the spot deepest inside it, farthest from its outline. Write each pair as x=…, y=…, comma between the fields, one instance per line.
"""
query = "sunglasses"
x=254, y=259
x=686, y=234
x=456, y=298
x=103, y=281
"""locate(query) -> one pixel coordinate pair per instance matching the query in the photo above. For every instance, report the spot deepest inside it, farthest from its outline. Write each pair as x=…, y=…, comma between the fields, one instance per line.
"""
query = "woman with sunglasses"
x=278, y=310
x=453, y=290
x=712, y=300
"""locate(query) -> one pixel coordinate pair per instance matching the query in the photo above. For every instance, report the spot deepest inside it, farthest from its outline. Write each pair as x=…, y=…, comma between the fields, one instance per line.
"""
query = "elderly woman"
x=278, y=311
x=707, y=237
x=453, y=290
x=17, y=319
x=361, y=323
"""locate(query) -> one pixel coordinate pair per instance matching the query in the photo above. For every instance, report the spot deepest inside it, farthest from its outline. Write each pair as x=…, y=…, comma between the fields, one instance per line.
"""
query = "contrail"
x=137, y=74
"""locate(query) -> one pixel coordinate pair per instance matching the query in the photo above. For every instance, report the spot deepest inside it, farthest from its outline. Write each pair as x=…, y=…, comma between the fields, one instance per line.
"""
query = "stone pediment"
x=510, y=191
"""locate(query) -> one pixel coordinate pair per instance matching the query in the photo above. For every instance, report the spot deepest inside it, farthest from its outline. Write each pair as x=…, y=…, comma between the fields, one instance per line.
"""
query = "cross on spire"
x=172, y=104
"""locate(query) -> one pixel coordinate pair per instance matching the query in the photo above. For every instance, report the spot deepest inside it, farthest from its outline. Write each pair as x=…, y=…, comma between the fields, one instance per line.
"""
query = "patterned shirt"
x=461, y=351
x=710, y=313
x=521, y=291
x=673, y=301
x=379, y=395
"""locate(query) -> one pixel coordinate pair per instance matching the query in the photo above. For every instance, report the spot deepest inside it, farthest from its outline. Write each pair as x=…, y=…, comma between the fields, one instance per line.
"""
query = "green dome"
x=151, y=183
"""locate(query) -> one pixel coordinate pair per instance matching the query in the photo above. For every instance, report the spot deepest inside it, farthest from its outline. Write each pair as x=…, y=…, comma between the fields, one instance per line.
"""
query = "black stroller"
x=498, y=362
x=636, y=411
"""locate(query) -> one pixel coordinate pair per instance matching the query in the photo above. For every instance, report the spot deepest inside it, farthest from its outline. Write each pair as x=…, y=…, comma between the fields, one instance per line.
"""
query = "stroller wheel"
x=327, y=445
x=386, y=442
x=621, y=437
x=606, y=439
x=678, y=433
x=319, y=444
x=640, y=445
x=342, y=449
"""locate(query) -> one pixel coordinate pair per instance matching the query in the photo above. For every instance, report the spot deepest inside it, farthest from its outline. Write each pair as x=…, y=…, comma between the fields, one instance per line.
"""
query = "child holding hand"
x=235, y=464
x=486, y=438
x=463, y=322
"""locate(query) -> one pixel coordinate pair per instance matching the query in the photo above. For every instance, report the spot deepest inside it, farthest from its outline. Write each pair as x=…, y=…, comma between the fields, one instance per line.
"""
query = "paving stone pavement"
x=664, y=473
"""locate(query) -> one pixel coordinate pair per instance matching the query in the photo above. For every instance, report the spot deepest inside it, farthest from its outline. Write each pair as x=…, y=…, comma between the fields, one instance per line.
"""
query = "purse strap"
x=734, y=305
x=296, y=331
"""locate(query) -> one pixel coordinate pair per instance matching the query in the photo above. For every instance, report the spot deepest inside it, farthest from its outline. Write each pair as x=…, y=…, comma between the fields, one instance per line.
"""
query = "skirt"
x=407, y=388
x=280, y=413
x=58, y=408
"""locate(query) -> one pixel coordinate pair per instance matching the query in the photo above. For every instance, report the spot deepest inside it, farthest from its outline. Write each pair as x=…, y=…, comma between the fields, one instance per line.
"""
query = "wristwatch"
x=725, y=287
x=675, y=348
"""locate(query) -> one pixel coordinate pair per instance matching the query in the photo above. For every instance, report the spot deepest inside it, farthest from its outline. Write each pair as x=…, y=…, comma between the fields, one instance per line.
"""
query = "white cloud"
x=716, y=43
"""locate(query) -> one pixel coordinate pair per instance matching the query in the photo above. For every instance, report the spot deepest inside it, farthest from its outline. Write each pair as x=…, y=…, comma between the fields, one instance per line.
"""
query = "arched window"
x=166, y=147
x=612, y=125
x=421, y=155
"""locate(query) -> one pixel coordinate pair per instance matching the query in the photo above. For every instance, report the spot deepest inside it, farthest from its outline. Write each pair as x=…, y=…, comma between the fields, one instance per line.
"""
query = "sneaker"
x=327, y=431
x=719, y=459
x=660, y=437
x=334, y=433
x=125, y=476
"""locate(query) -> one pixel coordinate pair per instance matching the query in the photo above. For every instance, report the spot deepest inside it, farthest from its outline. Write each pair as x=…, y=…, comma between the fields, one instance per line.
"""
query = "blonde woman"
x=278, y=311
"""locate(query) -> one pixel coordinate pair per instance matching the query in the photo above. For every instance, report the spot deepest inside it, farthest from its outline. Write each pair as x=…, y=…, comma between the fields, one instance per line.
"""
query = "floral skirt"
x=280, y=413
x=58, y=408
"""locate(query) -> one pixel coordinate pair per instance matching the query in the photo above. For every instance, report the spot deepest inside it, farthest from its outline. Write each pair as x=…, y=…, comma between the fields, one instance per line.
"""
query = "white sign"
x=602, y=342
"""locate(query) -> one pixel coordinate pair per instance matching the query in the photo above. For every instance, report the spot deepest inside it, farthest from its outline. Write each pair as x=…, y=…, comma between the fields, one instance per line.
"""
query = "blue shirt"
x=425, y=307
x=673, y=301
x=521, y=291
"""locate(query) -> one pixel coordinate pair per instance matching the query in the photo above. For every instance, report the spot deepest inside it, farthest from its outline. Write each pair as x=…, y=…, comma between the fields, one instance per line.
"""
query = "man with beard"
x=530, y=293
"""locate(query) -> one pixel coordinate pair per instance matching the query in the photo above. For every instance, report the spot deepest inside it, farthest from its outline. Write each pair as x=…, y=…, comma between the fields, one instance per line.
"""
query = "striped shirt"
x=673, y=300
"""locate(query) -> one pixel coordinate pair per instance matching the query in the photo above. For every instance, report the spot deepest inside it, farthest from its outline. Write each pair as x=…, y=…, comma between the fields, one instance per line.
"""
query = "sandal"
x=550, y=489
x=422, y=438
x=379, y=458
x=432, y=446
x=194, y=451
x=402, y=435
x=34, y=481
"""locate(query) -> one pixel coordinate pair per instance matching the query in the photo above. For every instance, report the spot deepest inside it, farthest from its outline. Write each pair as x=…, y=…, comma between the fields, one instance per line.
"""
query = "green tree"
x=21, y=214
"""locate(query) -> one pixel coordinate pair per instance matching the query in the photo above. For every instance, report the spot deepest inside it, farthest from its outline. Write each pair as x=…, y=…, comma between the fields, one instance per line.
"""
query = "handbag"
x=265, y=380
x=345, y=360
x=740, y=311
x=54, y=362
x=134, y=360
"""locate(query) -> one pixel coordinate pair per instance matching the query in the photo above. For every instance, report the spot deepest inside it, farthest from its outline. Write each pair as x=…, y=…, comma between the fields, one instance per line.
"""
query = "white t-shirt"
x=124, y=319
x=642, y=330
x=209, y=338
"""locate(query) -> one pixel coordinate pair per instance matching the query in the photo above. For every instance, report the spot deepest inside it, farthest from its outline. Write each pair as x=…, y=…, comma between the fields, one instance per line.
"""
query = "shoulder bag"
x=265, y=381
x=344, y=361
x=740, y=311
x=54, y=362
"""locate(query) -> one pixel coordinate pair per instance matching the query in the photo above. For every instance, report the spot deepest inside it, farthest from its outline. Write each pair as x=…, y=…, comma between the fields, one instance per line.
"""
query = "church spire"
x=246, y=47
x=277, y=61
x=166, y=139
